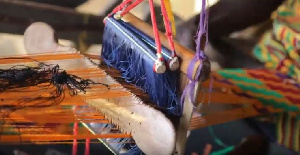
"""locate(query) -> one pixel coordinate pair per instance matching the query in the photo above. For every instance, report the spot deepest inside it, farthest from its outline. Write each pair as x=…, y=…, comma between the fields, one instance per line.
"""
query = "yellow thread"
x=284, y=69
x=297, y=76
x=296, y=139
x=170, y=15
x=264, y=54
x=279, y=130
x=288, y=131
x=287, y=62
x=269, y=65
x=274, y=58
x=294, y=54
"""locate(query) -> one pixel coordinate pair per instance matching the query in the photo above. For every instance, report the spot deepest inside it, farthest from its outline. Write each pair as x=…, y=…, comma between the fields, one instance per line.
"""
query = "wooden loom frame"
x=92, y=26
x=244, y=107
x=186, y=56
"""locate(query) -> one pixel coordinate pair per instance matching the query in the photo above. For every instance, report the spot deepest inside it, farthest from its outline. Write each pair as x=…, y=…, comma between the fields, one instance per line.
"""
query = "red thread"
x=155, y=29
x=168, y=28
x=87, y=147
x=126, y=8
x=130, y=7
x=120, y=7
x=295, y=42
x=75, y=132
x=281, y=64
x=282, y=33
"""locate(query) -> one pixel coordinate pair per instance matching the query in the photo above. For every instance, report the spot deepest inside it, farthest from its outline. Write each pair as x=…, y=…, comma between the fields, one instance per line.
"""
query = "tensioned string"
x=199, y=56
x=20, y=77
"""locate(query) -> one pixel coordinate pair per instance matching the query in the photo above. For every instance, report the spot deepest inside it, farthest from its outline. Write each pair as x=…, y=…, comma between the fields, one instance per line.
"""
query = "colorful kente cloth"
x=270, y=88
x=271, y=92
x=279, y=49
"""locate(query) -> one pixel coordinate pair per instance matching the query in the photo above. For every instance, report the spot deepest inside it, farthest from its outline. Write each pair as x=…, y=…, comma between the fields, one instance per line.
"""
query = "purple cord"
x=199, y=56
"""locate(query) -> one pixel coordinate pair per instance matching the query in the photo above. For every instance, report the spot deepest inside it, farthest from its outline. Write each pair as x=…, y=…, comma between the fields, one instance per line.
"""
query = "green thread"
x=220, y=143
x=258, y=53
x=269, y=58
x=80, y=125
x=251, y=88
x=10, y=132
x=256, y=90
x=223, y=151
x=238, y=70
x=225, y=74
x=285, y=13
x=279, y=105
x=216, y=139
x=288, y=37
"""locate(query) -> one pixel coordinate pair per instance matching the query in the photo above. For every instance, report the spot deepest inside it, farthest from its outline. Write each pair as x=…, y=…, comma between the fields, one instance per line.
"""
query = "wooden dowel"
x=225, y=116
x=225, y=98
x=206, y=121
x=41, y=57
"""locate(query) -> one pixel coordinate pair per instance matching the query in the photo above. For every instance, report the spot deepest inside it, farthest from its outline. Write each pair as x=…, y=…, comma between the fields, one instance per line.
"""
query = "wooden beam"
x=16, y=16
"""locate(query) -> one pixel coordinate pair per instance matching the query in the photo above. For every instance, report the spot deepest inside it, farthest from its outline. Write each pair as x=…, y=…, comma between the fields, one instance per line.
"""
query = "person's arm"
x=228, y=16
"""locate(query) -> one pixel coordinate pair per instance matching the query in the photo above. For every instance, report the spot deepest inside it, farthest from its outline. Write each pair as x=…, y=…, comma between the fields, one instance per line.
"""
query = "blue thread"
x=135, y=58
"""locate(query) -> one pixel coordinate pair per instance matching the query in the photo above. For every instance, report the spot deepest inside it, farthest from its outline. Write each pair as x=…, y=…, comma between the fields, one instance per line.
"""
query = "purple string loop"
x=198, y=58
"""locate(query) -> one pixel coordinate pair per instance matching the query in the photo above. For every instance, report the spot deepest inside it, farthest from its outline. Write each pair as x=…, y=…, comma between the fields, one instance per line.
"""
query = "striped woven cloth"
x=272, y=92
x=279, y=49
x=288, y=130
x=270, y=88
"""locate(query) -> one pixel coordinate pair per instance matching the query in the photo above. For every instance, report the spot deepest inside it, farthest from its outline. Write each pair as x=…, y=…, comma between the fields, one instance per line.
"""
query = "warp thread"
x=24, y=76
x=124, y=50
x=54, y=80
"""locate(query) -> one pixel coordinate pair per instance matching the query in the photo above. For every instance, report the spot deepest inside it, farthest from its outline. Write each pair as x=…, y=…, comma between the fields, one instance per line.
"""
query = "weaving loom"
x=72, y=97
x=130, y=102
x=78, y=99
x=53, y=122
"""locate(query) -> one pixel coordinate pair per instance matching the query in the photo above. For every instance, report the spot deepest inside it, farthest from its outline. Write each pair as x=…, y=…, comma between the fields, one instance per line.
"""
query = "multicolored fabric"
x=288, y=130
x=269, y=87
x=279, y=49
x=274, y=92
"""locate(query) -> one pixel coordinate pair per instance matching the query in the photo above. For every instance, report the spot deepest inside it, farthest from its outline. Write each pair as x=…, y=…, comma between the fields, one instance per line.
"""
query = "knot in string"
x=198, y=58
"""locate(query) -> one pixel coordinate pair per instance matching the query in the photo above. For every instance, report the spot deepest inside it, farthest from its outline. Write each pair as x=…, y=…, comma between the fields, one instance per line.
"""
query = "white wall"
x=183, y=8
x=13, y=44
